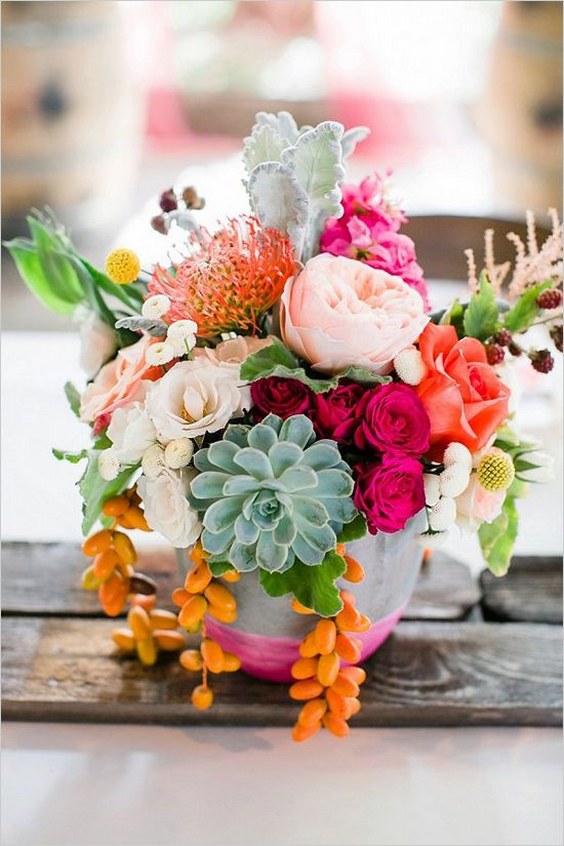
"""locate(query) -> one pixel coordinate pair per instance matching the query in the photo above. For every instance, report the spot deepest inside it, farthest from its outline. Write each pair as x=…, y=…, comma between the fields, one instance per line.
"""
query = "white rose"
x=166, y=508
x=98, y=342
x=193, y=398
x=131, y=432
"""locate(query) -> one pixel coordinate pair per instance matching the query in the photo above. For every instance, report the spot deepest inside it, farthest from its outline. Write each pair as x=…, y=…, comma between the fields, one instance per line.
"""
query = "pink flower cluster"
x=369, y=232
x=382, y=431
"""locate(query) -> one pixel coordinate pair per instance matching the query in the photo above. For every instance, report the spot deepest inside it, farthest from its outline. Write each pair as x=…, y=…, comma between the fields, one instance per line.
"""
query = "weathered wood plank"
x=427, y=674
x=531, y=591
x=44, y=579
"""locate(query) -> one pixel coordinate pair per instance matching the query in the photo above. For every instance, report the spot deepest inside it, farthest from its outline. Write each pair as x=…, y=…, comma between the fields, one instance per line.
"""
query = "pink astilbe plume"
x=230, y=279
x=369, y=232
x=532, y=264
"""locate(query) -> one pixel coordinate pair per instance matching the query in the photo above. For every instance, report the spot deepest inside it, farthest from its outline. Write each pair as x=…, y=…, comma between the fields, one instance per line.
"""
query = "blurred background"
x=105, y=104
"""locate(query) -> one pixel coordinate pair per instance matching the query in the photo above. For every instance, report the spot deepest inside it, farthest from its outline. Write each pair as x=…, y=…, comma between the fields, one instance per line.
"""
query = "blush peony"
x=462, y=394
x=389, y=492
x=391, y=418
x=338, y=312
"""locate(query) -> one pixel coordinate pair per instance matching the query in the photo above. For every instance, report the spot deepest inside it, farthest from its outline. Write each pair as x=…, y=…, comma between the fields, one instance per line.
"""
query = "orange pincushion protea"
x=232, y=277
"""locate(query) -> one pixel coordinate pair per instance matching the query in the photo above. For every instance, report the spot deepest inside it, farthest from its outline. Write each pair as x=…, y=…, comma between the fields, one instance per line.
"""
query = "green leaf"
x=454, y=316
x=277, y=360
x=130, y=295
x=313, y=586
x=73, y=457
x=497, y=538
x=95, y=490
x=73, y=396
x=481, y=317
x=520, y=317
x=354, y=530
x=32, y=271
x=218, y=568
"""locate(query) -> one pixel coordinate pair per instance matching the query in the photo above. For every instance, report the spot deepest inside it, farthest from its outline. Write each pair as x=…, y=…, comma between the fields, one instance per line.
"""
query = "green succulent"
x=271, y=495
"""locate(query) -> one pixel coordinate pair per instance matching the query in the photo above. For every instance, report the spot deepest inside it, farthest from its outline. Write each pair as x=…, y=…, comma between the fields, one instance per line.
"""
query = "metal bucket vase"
x=267, y=633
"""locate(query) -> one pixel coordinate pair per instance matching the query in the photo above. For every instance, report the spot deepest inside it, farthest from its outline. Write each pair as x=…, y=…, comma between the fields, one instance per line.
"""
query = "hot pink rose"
x=391, y=418
x=338, y=312
x=119, y=382
x=334, y=412
x=283, y=397
x=389, y=492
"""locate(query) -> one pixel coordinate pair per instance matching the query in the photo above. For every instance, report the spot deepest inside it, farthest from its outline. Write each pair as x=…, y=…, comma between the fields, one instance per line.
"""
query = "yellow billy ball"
x=496, y=471
x=123, y=266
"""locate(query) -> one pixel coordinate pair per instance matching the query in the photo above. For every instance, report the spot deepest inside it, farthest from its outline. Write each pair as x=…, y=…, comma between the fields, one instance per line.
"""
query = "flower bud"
x=409, y=366
x=154, y=307
x=432, y=489
x=454, y=480
x=108, y=465
x=153, y=461
x=443, y=514
x=456, y=453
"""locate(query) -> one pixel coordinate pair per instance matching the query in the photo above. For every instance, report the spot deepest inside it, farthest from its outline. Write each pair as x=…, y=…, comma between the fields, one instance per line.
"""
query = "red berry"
x=495, y=354
x=515, y=350
x=542, y=361
x=550, y=299
x=503, y=337
x=556, y=335
x=168, y=201
x=159, y=224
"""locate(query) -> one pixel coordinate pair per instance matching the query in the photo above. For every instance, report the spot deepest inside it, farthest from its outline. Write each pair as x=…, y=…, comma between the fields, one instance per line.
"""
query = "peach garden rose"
x=339, y=312
x=120, y=382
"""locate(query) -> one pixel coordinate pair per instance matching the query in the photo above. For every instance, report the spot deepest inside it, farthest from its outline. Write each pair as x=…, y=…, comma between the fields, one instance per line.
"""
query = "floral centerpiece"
x=284, y=407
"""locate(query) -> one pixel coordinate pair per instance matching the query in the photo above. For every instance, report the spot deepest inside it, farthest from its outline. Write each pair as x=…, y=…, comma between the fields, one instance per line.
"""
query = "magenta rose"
x=389, y=492
x=283, y=397
x=391, y=418
x=334, y=412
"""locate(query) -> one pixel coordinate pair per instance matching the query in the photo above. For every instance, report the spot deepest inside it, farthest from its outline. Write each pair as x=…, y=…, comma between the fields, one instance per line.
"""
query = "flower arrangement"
x=282, y=391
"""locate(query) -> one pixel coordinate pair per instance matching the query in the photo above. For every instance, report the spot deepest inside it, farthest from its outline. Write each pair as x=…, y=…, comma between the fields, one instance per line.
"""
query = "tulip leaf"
x=314, y=586
x=498, y=537
x=523, y=313
x=481, y=317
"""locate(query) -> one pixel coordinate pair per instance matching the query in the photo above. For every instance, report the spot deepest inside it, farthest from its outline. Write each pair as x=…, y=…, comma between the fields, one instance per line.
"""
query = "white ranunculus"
x=98, y=342
x=167, y=509
x=193, y=398
x=131, y=432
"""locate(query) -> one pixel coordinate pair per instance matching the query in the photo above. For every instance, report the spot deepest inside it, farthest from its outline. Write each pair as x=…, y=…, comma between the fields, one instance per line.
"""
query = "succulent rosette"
x=271, y=494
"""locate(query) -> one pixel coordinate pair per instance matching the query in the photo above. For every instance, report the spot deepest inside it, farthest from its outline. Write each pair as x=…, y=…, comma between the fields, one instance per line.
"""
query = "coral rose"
x=120, y=382
x=339, y=312
x=389, y=492
x=463, y=396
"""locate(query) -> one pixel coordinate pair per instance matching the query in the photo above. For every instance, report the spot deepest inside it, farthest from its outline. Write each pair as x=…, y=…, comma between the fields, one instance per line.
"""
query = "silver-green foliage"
x=271, y=494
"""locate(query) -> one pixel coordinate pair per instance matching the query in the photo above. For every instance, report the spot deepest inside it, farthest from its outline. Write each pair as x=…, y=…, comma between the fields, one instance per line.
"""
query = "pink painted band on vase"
x=270, y=658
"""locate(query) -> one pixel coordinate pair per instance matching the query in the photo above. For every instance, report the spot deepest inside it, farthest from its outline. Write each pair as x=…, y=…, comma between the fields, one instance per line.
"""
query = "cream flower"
x=131, y=432
x=193, y=398
x=443, y=514
x=181, y=336
x=454, y=480
x=108, y=465
x=232, y=351
x=179, y=453
x=166, y=507
x=156, y=306
x=153, y=461
x=98, y=342
x=409, y=366
x=161, y=353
